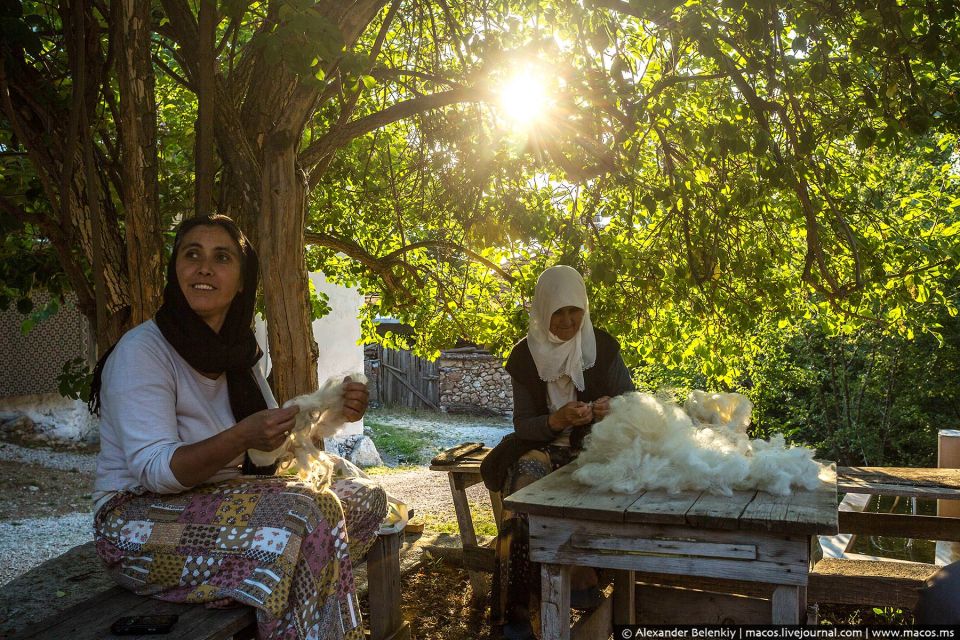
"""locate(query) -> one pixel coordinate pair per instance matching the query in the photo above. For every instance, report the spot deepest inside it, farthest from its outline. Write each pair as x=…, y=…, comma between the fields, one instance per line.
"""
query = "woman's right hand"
x=572, y=414
x=268, y=429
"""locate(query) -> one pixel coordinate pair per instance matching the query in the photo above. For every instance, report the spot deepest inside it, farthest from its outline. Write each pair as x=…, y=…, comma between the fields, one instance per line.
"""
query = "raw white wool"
x=646, y=443
x=320, y=416
x=731, y=410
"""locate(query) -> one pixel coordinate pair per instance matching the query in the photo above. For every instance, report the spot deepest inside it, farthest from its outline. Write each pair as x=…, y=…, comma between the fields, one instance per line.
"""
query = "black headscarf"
x=234, y=350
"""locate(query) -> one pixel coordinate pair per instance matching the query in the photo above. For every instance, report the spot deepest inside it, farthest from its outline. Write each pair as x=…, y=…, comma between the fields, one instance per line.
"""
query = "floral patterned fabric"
x=274, y=543
x=516, y=580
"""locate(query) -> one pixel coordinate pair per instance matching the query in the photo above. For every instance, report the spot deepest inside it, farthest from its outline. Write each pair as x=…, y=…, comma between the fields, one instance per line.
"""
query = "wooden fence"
x=405, y=380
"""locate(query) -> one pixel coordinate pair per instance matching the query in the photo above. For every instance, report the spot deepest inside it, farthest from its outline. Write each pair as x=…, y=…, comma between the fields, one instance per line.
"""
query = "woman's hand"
x=572, y=414
x=268, y=429
x=601, y=407
x=355, y=399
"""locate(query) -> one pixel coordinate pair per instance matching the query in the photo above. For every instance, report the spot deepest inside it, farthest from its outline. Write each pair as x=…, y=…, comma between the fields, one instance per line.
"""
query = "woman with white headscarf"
x=564, y=373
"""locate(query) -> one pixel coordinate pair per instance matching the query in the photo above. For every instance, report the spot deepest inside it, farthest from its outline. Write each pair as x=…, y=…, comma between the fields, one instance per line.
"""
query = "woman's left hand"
x=355, y=399
x=601, y=407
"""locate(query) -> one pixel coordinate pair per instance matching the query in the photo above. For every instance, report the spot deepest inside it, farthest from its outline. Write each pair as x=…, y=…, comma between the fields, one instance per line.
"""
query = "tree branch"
x=333, y=140
x=451, y=246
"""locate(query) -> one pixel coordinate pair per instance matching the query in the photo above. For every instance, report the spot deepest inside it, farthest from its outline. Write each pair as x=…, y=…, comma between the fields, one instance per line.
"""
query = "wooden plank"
x=785, y=605
x=91, y=619
x=471, y=558
x=465, y=480
x=867, y=582
x=624, y=597
x=468, y=535
x=659, y=507
x=596, y=624
x=946, y=553
x=664, y=546
x=719, y=512
x=900, y=525
x=383, y=587
x=835, y=546
x=496, y=503
x=717, y=585
x=900, y=481
x=397, y=375
x=558, y=494
x=667, y=605
x=802, y=512
x=479, y=558
x=781, y=559
x=555, y=601
x=461, y=466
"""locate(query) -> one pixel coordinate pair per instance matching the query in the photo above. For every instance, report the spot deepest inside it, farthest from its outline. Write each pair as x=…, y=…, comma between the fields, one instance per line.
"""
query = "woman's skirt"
x=273, y=543
x=515, y=578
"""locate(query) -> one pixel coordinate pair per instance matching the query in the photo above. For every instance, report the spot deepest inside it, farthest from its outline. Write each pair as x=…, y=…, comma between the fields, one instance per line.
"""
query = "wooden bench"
x=871, y=582
x=91, y=619
x=462, y=474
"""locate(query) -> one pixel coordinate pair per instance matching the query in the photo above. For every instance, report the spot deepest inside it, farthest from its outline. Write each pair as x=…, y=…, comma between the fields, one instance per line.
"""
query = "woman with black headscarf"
x=181, y=401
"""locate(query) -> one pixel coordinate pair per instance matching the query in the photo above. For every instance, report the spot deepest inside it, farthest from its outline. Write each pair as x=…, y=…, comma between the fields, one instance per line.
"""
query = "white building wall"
x=337, y=335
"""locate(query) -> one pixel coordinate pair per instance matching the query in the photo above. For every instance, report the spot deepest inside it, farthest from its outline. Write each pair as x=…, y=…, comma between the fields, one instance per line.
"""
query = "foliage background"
x=762, y=196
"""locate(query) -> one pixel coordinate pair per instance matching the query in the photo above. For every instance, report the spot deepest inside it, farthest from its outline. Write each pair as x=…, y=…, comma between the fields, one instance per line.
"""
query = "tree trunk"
x=138, y=134
x=206, y=94
x=293, y=351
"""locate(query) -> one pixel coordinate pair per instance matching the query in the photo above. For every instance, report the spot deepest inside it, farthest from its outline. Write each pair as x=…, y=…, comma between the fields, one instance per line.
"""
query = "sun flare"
x=524, y=97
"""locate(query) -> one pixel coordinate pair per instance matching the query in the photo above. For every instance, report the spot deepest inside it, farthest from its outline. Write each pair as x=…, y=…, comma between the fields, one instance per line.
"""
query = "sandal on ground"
x=589, y=598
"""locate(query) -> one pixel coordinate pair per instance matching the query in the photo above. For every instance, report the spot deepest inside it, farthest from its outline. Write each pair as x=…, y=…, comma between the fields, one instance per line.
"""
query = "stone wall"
x=473, y=381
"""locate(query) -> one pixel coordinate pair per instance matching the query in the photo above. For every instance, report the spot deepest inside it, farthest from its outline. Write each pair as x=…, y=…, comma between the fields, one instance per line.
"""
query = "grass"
x=483, y=522
x=385, y=471
x=408, y=447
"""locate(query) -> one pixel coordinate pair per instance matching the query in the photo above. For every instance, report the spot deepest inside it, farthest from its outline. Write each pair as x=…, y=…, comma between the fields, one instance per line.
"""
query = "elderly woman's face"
x=565, y=322
x=209, y=269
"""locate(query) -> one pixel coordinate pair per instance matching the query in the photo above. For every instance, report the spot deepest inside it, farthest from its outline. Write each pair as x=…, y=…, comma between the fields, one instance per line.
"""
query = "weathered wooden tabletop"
x=900, y=481
x=801, y=513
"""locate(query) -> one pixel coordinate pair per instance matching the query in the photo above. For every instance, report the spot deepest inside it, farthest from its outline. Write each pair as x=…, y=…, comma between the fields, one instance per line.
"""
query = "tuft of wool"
x=647, y=443
x=320, y=416
x=730, y=410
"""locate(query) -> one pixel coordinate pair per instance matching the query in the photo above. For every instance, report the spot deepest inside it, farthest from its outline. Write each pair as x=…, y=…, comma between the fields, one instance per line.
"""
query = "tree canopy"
x=728, y=175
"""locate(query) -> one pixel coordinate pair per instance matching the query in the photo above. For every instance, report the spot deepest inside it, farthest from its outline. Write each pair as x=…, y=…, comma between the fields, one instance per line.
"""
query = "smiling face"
x=209, y=270
x=565, y=322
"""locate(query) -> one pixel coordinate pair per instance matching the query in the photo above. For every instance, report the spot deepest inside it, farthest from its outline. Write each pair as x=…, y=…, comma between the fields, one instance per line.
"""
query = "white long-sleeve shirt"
x=153, y=402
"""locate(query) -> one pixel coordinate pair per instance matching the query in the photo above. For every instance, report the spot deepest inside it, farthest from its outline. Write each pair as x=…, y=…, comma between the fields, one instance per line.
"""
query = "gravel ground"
x=64, y=461
x=27, y=540
x=26, y=543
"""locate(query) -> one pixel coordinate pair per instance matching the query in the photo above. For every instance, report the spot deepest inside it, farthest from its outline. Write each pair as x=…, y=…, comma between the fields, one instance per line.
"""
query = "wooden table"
x=752, y=536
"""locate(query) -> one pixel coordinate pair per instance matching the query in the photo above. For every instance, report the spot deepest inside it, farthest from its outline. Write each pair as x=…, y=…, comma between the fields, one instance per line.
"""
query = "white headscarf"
x=559, y=287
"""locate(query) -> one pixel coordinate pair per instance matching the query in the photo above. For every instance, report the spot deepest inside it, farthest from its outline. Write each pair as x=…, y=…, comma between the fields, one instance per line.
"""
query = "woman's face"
x=565, y=322
x=209, y=269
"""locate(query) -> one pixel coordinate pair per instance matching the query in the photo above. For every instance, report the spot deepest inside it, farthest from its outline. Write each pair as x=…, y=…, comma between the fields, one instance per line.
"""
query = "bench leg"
x=468, y=535
x=383, y=580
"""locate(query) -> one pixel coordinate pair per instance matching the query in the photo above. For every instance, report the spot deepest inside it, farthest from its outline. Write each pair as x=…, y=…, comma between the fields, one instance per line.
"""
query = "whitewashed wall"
x=337, y=335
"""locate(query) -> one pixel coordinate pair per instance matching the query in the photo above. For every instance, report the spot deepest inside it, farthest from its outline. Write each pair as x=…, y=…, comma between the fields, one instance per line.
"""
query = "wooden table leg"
x=624, y=597
x=785, y=605
x=555, y=601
